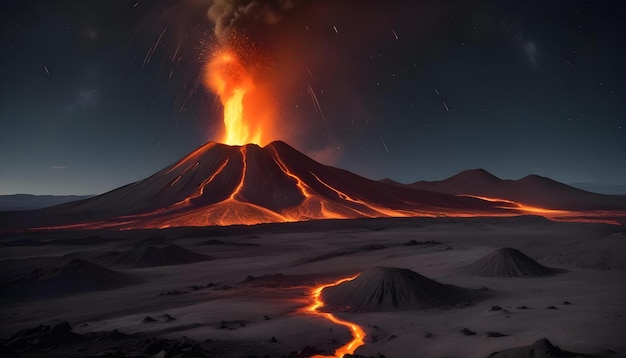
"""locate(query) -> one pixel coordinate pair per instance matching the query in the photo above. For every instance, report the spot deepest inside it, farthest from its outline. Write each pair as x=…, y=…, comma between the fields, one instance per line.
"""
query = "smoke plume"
x=230, y=14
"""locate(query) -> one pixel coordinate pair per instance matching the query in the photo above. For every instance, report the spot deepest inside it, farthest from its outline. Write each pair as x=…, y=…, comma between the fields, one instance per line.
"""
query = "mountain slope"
x=219, y=184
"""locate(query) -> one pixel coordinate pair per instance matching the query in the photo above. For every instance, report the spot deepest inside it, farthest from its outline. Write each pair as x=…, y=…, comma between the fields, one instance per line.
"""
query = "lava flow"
x=590, y=216
x=248, y=112
x=357, y=332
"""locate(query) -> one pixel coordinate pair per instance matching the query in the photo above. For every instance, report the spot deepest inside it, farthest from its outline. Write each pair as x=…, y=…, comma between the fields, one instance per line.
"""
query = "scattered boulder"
x=372, y=247
x=173, y=293
x=59, y=341
x=418, y=243
x=149, y=319
x=43, y=336
x=306, y=352
x=542, y=348
x=168, y=318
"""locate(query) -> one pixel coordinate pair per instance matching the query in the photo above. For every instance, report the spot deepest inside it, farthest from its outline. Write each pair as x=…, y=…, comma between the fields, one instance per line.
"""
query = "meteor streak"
x=394, y=33
x=384, y=144
x=316, y=101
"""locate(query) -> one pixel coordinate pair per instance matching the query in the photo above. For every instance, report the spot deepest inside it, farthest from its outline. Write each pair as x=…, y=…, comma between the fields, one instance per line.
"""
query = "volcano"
x=508, y=262
x=75, y=276
x=149, y=256
x=219, y=184
x=392, y=289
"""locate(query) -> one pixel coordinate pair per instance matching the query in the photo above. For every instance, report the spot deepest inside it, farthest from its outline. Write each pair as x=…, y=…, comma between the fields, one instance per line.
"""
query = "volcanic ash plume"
x=232, y=72
x=230, y=14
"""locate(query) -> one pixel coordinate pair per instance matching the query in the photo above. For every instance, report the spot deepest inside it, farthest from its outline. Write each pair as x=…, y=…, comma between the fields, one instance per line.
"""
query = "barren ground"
x=261, y=278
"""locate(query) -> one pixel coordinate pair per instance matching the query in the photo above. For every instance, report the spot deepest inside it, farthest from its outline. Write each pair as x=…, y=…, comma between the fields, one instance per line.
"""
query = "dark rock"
x=214, y=242
x=373, y=247
x=416, y=243
x=149, y=319
x=42, y=336
x=168, y=318
x=306, y=352
x=540, y=349
x=113, y=335
x=174, y=293
x=468, y=332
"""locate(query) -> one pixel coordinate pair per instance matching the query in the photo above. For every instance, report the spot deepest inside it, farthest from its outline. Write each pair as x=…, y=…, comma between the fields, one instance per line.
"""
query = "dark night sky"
x=99, y=93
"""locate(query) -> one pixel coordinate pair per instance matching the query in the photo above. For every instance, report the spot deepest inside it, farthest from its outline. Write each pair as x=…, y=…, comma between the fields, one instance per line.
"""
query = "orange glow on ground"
x=592, y=216
x=358, y=334
x=525, y=208
x=248, y=112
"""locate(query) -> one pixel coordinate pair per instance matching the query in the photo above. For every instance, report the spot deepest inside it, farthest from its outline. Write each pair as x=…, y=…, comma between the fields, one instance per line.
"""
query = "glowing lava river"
x=357, y=332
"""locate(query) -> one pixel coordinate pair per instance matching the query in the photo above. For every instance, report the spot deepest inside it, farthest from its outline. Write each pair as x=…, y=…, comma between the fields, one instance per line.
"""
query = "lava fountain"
x=235, y=79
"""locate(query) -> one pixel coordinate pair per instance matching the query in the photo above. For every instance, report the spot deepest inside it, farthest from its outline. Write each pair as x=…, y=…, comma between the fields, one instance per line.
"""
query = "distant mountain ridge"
x=31, y=202
x=531, y=190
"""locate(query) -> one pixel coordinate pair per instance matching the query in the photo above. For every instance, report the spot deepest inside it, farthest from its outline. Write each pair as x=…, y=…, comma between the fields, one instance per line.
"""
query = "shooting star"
x=384, y=144
x=153, y=48
x=46, y=69
x=394, y=33
x=445, y=106
x=315, y=100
